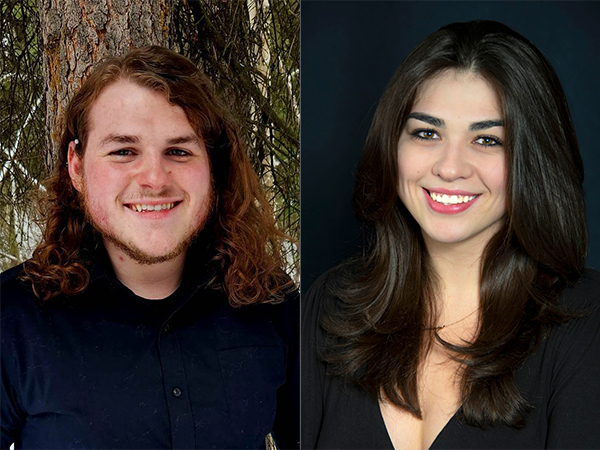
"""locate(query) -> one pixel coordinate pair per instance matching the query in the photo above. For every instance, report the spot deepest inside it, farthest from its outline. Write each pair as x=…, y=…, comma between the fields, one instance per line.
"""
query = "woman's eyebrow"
x=434, y=121
x=485, y=124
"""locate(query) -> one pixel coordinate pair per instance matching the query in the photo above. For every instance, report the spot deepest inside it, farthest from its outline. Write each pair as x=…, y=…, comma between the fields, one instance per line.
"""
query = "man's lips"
x=152, y=206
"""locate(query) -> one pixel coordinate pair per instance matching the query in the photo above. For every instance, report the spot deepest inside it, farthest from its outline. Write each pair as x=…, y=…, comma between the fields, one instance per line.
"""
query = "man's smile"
x=143, y=207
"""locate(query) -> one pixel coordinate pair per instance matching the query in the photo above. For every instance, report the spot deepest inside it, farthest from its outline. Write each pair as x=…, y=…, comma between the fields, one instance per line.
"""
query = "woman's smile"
x=449, y=203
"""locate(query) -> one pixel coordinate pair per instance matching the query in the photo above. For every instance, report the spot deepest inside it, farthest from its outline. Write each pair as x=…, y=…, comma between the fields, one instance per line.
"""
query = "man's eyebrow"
x=184, y=140
x=485, y=124
x=120, y=139
x=130, y=139
x=434, y=121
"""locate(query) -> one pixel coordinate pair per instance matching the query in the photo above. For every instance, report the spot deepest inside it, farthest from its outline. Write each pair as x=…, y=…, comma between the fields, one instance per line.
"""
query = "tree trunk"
x=77, y=34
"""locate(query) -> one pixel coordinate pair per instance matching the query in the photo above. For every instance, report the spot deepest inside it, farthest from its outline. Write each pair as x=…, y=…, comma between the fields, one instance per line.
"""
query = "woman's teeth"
x=451, y=199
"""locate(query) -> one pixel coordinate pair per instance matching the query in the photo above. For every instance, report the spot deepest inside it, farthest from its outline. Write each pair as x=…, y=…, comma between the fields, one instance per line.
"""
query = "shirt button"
x=177, y=392
x=166, y=328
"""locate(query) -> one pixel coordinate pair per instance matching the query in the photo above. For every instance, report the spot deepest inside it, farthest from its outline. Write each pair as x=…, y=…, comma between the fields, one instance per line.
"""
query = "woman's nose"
x=452, y=162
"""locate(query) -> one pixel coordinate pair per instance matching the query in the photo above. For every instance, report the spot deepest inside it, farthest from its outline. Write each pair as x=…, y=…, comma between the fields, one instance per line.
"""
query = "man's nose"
x=153, y=172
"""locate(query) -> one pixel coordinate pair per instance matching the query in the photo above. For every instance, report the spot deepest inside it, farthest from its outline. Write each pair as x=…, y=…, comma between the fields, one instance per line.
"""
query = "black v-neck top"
x=561, y=380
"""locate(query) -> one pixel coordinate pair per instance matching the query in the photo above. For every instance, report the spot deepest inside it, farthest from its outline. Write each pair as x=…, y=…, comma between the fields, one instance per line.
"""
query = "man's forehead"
x=127, y=113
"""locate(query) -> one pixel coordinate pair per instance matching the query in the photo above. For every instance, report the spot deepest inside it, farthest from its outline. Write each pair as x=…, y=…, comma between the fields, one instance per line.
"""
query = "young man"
x=154, y=312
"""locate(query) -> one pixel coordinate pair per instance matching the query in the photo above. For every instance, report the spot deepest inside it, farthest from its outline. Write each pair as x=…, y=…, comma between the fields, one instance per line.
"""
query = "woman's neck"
x=458, y=269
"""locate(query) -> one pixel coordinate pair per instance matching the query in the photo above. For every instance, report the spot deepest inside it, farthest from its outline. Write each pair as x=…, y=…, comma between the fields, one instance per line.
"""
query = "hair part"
x=247, y=241
x=379, y=337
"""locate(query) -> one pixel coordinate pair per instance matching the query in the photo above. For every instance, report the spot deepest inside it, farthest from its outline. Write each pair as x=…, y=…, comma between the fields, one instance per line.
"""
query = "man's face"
x=145, y=175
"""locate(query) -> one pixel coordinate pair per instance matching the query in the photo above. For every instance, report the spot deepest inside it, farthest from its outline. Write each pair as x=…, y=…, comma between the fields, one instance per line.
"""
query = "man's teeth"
x=451, y=199
x=140, y=208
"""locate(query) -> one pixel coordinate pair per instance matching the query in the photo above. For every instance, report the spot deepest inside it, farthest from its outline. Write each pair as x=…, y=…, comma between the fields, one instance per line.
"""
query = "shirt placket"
x=176, y=388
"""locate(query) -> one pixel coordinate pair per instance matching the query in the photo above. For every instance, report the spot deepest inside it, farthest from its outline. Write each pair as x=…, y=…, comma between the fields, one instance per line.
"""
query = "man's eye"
x=426, y=135
x=488, y=141
x=122, y=152
x=178, y=152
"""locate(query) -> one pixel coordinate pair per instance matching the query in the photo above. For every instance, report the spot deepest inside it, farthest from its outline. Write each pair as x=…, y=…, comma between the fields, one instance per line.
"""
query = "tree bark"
x=77, y=34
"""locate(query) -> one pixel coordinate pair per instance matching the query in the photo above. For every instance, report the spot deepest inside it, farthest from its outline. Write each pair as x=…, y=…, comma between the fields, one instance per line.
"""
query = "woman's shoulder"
x=582, y=301
x=585, y=294
x=576, y=342
x=322, y=285
x=323, y=294
x=570, y=364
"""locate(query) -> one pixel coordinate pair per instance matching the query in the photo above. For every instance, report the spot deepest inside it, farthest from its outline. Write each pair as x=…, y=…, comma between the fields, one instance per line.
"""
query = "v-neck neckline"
x=435, y=441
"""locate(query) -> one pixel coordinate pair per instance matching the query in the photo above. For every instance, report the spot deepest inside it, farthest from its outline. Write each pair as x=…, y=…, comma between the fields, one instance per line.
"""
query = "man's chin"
x=144, y=258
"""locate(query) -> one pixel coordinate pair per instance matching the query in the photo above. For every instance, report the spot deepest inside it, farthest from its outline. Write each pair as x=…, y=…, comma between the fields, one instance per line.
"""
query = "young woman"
x=469, y=322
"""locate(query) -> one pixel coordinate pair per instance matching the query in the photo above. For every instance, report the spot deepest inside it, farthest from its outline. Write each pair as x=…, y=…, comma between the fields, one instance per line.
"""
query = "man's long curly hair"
x=246, y=240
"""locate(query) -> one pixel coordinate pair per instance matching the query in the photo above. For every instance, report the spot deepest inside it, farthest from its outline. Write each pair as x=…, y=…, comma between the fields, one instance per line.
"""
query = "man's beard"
x=142, y=257
x=137, y=254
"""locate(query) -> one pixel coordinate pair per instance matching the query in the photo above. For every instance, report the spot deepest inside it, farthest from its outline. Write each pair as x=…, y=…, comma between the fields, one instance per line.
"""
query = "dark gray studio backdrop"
x=350, y=50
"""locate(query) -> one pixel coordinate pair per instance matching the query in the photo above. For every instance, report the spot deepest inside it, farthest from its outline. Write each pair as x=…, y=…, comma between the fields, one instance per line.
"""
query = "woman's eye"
x=425, y=134
x=488, y=141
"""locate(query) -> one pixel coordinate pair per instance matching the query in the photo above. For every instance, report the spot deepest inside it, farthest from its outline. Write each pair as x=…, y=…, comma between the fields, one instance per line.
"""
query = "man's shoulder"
x=15, y=291
x=20, y=309
x=11, y=274
x=253, y=320
x=285, y=310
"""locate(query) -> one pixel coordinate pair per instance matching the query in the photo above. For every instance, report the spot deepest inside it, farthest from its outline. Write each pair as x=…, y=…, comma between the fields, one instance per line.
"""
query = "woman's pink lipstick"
x=449, y=209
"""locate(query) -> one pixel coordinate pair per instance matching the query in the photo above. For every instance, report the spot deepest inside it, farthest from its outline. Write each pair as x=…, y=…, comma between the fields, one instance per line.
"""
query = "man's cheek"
x=98, y=212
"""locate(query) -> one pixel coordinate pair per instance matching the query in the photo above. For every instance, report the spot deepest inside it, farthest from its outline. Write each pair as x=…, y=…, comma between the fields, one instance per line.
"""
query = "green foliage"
x=251, y=50
x=22, y=130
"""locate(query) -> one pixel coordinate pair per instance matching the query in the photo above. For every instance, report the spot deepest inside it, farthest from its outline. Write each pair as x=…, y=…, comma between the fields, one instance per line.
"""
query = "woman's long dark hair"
x=380, y=334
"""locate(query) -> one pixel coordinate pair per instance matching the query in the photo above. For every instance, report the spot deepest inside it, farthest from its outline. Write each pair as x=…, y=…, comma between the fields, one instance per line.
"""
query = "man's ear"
x=75, y=167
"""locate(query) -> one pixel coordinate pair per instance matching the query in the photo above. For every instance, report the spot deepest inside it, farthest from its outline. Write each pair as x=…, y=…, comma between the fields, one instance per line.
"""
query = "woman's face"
x=451, y=160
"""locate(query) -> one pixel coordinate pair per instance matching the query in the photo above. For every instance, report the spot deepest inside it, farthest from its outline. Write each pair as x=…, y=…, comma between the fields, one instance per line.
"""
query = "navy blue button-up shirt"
x=106, y=369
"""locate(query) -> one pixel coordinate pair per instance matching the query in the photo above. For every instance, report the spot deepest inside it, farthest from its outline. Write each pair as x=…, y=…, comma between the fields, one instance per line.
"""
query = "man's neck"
x=149, y=281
